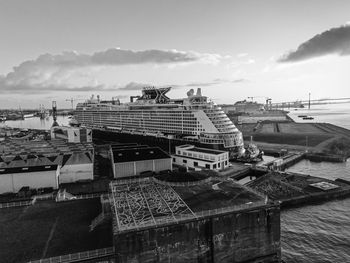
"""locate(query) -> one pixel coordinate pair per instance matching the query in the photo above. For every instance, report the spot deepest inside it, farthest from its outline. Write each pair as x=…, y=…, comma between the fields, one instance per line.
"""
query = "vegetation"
x=178, y=176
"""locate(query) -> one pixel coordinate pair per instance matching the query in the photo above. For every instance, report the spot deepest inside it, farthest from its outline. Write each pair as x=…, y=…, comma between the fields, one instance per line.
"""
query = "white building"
x=202, y=158
x=134, y=160
x=13, y=179
x=71, y=134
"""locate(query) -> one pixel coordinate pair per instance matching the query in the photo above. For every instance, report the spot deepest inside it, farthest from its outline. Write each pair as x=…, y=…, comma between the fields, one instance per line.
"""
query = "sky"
x=283, y=50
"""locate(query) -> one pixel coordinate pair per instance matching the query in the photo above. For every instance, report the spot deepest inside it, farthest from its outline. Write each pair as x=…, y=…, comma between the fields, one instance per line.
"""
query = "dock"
x=294, y=189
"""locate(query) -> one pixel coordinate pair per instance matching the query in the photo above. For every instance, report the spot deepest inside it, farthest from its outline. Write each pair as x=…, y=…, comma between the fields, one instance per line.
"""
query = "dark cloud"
x=214, y=82
x=120, y=57
x=333, y=41
x=134, y=86
x=57, y=72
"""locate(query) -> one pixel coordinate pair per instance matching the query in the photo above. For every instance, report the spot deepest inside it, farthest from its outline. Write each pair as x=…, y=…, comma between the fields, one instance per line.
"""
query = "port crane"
x=72, y=101
x=267, y=100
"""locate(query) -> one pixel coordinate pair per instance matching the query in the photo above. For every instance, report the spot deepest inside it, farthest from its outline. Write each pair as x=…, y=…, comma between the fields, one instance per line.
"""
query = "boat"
x=308, y=118
x=155, y=119
x=2, y=118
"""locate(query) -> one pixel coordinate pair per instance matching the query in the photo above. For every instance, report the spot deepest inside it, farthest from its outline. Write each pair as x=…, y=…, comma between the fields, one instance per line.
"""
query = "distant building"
x=243, y=107
x=71, y=134
x=203, y=158
x=132, y=160
x=13, y=179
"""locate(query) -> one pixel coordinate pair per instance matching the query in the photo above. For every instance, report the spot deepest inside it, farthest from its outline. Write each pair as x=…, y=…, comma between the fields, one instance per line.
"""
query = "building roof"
x=138, y=154
x=144, y=202
x=189, y=147
x=42, y=153
x=127, y=146
x=27, y=169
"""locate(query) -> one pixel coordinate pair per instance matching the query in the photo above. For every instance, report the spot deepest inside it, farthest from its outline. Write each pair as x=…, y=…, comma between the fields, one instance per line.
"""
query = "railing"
x=188, y=216
x=78, y=257
x=17, y=204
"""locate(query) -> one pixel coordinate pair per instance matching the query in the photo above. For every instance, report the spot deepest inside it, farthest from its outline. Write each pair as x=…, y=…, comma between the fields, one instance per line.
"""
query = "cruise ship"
x=155, y=119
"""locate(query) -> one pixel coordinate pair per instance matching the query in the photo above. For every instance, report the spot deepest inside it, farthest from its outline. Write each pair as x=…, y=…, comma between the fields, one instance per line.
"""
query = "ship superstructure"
x=195, y=118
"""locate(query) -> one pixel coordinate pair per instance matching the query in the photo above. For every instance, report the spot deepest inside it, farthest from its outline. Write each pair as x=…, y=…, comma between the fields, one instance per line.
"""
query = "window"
x=195, y=163
x=184, y=161
x=207, y=166
x=218, y=165
x=179, y=152
x=225, y=162
x=214, y=166
x=174, y=160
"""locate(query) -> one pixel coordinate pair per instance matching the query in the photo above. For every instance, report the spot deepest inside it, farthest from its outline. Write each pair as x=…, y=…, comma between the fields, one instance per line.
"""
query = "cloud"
x=134, y=86
x=333, y=41
x=72, y=71
x=214, y=82
x=139, y=86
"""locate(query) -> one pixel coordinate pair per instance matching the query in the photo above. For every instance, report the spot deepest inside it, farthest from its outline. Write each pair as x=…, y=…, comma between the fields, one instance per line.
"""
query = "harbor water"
x=35, y=123
x=312, y=233
x=319, y=233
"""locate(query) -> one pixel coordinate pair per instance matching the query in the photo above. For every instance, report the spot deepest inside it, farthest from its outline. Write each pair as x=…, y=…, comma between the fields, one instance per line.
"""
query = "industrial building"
x=211, y=221
x=133, y=160
x=200, y=158
x=13, y=179
x=71, y=134
x=30, y=161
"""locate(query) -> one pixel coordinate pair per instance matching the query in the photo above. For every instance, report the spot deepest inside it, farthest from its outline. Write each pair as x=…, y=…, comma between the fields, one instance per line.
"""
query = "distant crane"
x=72, y=102
x=267, y=100
x=54, y=114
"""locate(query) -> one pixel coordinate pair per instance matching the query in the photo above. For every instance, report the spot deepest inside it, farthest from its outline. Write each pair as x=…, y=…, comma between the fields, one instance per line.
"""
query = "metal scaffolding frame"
x=141, y=202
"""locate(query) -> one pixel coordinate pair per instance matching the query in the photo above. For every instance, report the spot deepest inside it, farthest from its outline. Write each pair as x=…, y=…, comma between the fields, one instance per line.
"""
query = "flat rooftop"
x=144, y=202
x=138, y=154
x=189, y=147
x=49, y=229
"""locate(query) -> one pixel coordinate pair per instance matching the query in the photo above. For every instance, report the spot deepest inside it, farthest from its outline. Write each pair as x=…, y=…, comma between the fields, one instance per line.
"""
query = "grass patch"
x=26, y=230
x=290, y=139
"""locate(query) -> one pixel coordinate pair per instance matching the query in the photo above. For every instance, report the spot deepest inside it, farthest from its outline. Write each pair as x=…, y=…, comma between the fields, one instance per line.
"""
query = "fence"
x=198, y=216
x=17, y=204
x=78, y=257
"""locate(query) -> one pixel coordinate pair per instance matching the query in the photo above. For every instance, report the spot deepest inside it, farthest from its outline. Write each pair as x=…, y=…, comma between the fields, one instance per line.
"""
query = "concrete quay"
x=293, y=189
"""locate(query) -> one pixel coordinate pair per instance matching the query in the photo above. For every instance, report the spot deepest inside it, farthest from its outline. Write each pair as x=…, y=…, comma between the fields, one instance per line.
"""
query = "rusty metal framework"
x=141, y=202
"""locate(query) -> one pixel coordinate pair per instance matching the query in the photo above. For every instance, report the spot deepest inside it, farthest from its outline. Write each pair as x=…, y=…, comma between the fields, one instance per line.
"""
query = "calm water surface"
x=35, y=123
x=319, y=233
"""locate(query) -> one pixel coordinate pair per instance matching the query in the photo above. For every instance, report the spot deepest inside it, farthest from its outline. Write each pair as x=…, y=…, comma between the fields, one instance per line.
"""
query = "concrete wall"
x=14, y=182
x=135, y=168
x=251, y=236
x=76, y=172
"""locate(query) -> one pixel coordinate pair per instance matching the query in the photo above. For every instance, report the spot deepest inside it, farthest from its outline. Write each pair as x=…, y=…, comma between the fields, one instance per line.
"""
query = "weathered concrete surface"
x=251, y=235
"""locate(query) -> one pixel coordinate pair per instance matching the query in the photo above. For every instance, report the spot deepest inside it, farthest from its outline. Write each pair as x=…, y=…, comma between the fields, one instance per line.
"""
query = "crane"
x=267, y=100
x=72, y=101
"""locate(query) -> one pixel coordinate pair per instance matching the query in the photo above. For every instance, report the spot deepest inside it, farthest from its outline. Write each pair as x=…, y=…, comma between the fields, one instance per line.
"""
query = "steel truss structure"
x=141, y=202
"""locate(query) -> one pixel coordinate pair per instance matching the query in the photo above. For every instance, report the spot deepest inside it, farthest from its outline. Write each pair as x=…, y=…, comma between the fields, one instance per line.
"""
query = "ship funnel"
x=199, y=92
x=190, y=93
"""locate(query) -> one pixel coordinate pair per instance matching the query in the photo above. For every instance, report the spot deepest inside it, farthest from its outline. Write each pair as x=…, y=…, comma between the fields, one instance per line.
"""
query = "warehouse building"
x=133, y=160
x=200, y=158
x=13, y=179
x=73, y=160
